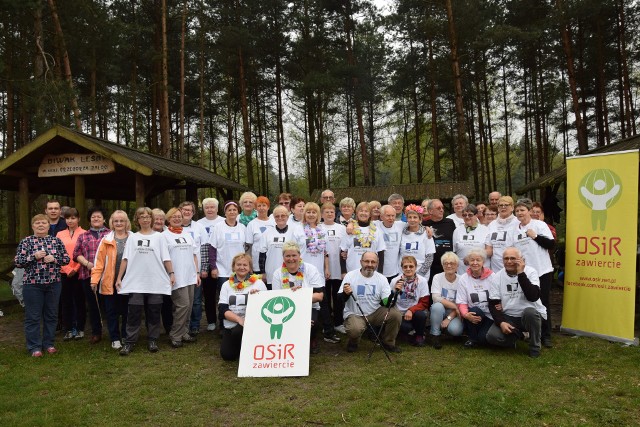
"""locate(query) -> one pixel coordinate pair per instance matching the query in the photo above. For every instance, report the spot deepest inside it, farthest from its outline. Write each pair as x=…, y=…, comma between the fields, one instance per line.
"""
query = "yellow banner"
x=601, y=245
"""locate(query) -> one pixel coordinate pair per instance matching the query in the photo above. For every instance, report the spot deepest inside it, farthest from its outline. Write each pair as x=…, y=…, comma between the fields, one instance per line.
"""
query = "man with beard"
x=371, y=291
x=443, y=229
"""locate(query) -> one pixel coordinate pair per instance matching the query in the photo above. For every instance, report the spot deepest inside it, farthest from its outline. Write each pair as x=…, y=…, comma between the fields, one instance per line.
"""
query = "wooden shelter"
x=65, y=162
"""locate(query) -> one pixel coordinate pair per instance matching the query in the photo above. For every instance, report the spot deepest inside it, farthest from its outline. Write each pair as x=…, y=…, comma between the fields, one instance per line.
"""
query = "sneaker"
x=435, y=341
x=341, y=329
x=52, y=350
x=352, y=346
x=79, y=335
x=419, y=341
x=534, y=354
x=126, y=349
x=194, y=331
x=211, y=327
x=36, y=353
x=392, y=348
x=332, y=338
x=68, y=336
x=176, y=344
x=116, y=345
x=547, y=342
x=152, y=346
x=313, y=347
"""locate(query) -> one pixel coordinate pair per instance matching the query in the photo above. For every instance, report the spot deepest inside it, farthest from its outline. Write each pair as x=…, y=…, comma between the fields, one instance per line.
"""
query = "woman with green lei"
x=233, y=304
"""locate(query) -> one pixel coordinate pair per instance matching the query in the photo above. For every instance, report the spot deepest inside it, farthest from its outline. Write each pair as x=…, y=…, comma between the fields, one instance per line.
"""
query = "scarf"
x=246, y=219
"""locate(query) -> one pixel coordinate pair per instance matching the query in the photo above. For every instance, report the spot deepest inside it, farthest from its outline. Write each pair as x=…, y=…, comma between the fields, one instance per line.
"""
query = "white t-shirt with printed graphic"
x=418, y=246
x=272, y=242
x=392, y=236
x=497, y=238
x=443, y=288
x=465, y=241
x=334, y=235
x=182, y=248
x=405, y=301
x=237, y=299
x=229, y=242
x=369, y=291
x=535, y=255
x=507, y=289
x=255, y=230
x=146, y=274
x=475, y=292
x=355, y=250
x=311, y=278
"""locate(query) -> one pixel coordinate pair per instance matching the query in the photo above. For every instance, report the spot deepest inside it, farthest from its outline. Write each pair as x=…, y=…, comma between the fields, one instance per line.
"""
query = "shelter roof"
x=560, y=174
x=159, y=173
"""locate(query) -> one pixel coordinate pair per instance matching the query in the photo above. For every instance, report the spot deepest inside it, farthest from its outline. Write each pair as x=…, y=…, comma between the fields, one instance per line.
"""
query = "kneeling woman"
x=296, y=274
x=233, y=304
x=149, y=276
x=473, y=298
x=413, y=300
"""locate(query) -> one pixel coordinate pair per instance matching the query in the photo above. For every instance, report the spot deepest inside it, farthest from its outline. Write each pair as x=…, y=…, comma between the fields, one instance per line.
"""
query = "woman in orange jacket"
x=105, y=272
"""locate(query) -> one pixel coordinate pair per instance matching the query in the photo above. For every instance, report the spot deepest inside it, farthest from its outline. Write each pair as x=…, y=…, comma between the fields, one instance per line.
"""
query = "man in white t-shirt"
x=392, y=233
x=516, y=289
x=365, y=291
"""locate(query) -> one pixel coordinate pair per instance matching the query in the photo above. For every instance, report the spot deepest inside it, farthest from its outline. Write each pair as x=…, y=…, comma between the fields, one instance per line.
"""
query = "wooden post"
x=192, y=193
x=139, y=191
x=80, y=201
x=23, y=208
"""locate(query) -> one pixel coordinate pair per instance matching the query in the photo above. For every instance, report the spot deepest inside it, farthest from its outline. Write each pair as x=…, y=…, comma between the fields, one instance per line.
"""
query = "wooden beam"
x=81, y=200
x=23, y=208
x=140, y=194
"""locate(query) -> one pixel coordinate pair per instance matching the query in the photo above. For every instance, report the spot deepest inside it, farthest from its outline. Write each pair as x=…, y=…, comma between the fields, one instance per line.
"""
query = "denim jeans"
x=41, y=306
x=477, y=332
x=418, y=323
x=196, y=311
x=438, y=313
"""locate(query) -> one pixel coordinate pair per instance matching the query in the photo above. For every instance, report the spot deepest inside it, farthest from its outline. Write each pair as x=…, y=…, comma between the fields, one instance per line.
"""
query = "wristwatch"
x=449, y=317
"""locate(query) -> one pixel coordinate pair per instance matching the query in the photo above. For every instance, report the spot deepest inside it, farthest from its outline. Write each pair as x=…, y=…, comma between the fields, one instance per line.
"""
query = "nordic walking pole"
x=391, y=303
x=386, y=353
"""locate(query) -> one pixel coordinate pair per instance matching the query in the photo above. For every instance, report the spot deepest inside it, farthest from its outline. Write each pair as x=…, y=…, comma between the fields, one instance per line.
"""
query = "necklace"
x=316, y=242
x=299, y=276
x=365, y=241
x=240, y=285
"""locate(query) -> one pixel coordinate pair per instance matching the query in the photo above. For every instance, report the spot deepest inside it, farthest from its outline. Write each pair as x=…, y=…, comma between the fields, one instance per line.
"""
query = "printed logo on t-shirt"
x=181, y=240
x=356, y=243
x=331, y=232
x=521, y=236
x=499, y=236
x=239, y=299
x=262, y=229
x=513, y=287
x=145, y=243
x=278, y=239
x=448, y=294
x=411, y=246
x=469, y=237
x=232, y=236
x=391, y=237
x=361, y=290
x=482, y=296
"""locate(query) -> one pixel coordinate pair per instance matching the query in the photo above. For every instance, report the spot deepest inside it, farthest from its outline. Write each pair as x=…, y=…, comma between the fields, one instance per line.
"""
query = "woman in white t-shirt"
x=183, y=252
x=472, y=298
x=256, y=228
x=444, y=312
x=413, y=301
x=228, y=239
x=471, y=235
x=415, y=240
x=314, y=251
x=295, y=274
x=363, y=236
x=149, y=276
x=233, y=304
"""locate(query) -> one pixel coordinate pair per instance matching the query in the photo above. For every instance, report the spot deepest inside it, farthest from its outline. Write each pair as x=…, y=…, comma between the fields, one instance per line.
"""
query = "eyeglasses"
x=504, y=206
x=468, y=215
x=328, y=197
x=144, y=217
x=285, y=203
x=449, y=263
x=510, y=259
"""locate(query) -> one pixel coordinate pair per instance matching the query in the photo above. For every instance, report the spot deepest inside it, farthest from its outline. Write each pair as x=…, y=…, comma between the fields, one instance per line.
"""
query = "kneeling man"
x=514, y=302
x=372, y=291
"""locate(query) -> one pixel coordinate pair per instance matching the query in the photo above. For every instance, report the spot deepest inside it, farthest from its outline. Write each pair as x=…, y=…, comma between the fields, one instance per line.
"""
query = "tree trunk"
x=165, y=143
x=67, y=65
x=506, y=131
x=434, y=115
x=629, y=115
x=462, y=146
x=183, y=36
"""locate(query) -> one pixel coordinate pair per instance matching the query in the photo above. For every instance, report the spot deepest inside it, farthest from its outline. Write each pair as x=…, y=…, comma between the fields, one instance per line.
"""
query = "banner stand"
x=578, y=332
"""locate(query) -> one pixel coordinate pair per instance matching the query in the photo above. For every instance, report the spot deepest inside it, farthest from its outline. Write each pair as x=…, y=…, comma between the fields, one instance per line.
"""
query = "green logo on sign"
x=276, y=312
x=599, y=190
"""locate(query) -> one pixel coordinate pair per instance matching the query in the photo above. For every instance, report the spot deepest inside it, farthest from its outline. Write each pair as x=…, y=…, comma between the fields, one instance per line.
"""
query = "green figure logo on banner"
x=276, y=312
x=599, y=190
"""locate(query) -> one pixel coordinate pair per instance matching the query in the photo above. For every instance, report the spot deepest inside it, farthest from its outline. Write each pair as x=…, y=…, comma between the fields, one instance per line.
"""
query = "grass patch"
x=582, y=381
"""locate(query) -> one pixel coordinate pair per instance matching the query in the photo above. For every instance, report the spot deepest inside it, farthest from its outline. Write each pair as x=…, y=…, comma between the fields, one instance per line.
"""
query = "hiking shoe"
x=470, y=344
x=419, y=341
x=79, y=335
x=36, y=353
x=194, y=331
x=116, y=345
x=332, y=338
x=152, y=346
x=341, y=329
x=435, y=341
x=126, y=349
x=352, y=346
x=176, y=344
x=52, y=350
x=68, y=336
x=547, y=342
x=188, y=339
x=534, y=354
x=211, y=327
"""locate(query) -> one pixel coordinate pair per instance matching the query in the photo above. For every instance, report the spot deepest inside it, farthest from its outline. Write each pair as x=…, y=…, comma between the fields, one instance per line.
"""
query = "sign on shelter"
x=74, y=164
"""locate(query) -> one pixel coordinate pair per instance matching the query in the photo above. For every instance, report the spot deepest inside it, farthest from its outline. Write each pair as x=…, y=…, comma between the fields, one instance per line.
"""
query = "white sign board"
x=74, y=164
x=275, y=341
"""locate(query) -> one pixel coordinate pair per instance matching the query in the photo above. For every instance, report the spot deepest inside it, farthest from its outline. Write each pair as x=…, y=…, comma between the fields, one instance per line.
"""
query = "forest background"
x=307, y=94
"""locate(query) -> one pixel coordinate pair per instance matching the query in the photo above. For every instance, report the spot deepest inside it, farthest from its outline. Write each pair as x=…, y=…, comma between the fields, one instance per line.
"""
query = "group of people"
x=391, y=270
